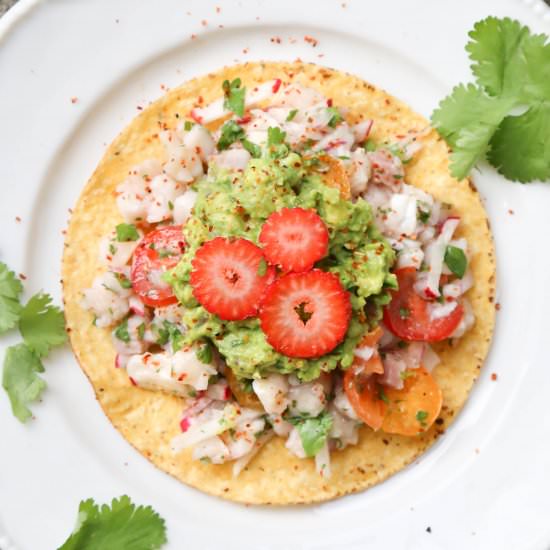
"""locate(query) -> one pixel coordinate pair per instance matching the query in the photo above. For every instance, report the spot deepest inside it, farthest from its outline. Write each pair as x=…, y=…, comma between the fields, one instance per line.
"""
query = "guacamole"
x=237, y=204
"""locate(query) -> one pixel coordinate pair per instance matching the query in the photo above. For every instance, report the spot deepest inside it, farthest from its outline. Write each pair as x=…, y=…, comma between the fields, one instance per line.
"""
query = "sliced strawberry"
x=294, y=239
x=305, y=314
x=229, y=277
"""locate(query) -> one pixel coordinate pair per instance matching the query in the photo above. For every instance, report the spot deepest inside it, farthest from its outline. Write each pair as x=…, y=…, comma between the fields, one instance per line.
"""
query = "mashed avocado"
x=234, y=204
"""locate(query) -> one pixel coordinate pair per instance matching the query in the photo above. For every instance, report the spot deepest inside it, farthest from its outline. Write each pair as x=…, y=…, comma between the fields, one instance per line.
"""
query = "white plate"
x=484, y=485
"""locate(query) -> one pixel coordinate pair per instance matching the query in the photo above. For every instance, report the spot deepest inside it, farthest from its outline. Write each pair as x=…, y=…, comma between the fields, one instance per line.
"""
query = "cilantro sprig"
x=122, y=526
x=42, y=327
x=512, y=70
x=234, y=96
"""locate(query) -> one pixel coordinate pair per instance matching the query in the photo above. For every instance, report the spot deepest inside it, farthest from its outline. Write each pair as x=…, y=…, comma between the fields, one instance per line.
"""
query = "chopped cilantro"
x=10, y=290
x=123, y=281
x=204, y=353
x=313, y=431
x=234, y=96
x=421, y=416
x=262, y=268
x=404, y=312
x=275, y=136
x=188, y=125
x=122, y=526
x=126, y=232
x=382, y=395
x=456, y=260
x=335, y=116
x=20, y=379
x=423, y=213
x=170, y=205
x=141, y=331
x=511, y=67
x=404, y=374
x=121, y=332
x=230, y=133
x=112, y=248
x=169, y=332
x=252, y=148
x=291, y=115
x=370, y=145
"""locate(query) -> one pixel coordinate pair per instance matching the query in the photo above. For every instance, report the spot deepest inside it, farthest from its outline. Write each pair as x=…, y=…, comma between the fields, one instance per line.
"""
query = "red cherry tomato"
x=407, y=315
x=157, y=252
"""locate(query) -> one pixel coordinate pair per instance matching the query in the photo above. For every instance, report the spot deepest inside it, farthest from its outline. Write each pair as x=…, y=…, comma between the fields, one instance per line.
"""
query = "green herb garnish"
x=512, y=70
x=456, y=260
x=126, y=232
x=234, y=96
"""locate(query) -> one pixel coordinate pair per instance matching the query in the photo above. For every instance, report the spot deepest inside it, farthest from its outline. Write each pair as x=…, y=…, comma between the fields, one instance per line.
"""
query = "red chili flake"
x=497, y=306
x=218, y=9
x=17, y=219
x=74, y=100
x=511, y=212
x=193, y=36
x=275, y=40
x=22, y=277
x=134, y=383
x=329, y=102
x=64, y=232
x=276, y=86
x=139, y=108
x=184, y=424
x=311, y=40
x=200, y=100
x=245, y=51
x=204, y=23
x=494, y=377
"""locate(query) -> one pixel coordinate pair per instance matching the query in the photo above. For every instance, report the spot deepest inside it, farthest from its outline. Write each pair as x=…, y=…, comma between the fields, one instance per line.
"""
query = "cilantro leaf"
x=126, y=232
x=291, y=115
x=123, y=526
x=421, y=417
x=10, y=290
x=204, y=353
x=335, y=116
x=231, y=132
x=42, y=324
x=313, y=431
x=20, y=379
x=121, y=332
x=275, y=136
x=467, y=119
x=520, y=148
x=512, y=67
x=254, y=150
x=234, y=96
x=456, y=260
x=509, y=60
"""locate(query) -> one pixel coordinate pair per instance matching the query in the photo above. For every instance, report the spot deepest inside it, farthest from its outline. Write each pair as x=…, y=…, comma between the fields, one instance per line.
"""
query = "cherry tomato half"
x=408, y=317
x=157, y=252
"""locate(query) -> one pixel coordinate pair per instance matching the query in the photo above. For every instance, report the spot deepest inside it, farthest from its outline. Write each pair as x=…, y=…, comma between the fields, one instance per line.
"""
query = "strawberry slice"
x=294, y=239
x=305, y=314
x=229, y=277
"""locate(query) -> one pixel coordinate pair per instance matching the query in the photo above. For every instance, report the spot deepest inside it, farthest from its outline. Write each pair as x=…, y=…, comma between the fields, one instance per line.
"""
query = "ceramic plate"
x=73, y=73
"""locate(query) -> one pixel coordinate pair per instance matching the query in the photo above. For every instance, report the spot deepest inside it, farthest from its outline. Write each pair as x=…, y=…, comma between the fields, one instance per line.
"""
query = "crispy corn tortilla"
x=149, y=420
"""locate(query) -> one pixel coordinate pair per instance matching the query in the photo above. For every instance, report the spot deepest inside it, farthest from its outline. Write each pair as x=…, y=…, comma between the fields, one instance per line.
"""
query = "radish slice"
x=241, y=463
x=427, y=284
